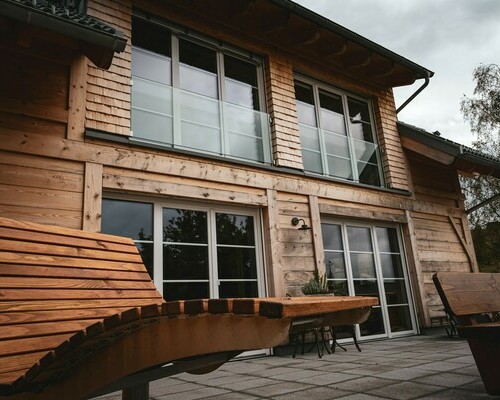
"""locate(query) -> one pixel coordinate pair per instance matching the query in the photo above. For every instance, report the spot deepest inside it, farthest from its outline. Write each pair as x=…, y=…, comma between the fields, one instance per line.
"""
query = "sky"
x=449, y=37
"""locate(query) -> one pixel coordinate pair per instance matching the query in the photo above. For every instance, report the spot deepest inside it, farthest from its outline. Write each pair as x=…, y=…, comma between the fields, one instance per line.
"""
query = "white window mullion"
x=176, y=95
x=222, y=97
x=212, y=255
x=380, y=282
x=350, y=141
x=158, y=246
x=322, y=145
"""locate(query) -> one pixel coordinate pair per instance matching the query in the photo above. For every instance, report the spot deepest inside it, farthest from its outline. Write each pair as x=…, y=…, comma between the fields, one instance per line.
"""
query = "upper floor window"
x=336, y=133
x=190, y=93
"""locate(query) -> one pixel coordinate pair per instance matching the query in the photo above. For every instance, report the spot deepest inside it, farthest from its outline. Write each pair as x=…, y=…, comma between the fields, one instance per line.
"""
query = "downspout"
x=417, y=92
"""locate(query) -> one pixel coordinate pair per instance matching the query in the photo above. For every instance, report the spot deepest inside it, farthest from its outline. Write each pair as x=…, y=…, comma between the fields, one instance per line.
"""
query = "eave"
x=444, y=151
x=289, y=26
x=98, y=40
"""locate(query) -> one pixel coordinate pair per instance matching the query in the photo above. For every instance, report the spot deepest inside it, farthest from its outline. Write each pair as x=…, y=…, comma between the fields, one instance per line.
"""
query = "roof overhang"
x=97, y=40
x=465, y=159
x=289, y=26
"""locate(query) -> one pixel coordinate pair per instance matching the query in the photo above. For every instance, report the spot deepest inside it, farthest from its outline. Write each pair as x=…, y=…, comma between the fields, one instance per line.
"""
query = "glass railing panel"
x=365, y=151
x=200, y=122
x=151, y=111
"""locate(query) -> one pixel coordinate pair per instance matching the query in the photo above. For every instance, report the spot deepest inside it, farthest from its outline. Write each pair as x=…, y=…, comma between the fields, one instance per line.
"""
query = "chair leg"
x=353, y=331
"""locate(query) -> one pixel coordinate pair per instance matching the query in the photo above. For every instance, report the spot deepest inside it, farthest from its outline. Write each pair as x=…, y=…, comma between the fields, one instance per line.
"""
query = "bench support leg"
x=487, y=355
x=138, y=392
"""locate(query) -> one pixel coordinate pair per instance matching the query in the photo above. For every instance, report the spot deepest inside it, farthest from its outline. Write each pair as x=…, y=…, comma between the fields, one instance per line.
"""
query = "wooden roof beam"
x=308, y=38
x=335, y=50
x=239, y=8
x=276, y=24
x=358, y=60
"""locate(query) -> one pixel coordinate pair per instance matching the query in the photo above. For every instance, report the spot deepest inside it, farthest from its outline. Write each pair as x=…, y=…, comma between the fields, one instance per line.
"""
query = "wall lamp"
x=303, y=227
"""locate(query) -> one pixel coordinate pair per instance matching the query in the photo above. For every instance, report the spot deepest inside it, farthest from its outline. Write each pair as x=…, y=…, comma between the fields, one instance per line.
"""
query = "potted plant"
x=317, y=285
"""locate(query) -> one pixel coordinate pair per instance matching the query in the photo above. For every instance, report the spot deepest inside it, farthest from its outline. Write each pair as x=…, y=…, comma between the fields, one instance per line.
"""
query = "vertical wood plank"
x=92, y=197
x=273, y=246
x=77, y=99
x=317, y=238
x=424, y=308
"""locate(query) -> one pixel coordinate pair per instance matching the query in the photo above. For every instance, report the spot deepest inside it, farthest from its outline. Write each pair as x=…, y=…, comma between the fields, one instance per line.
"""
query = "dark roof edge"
x=449, y=147
x=353, y=36
x=114, y=41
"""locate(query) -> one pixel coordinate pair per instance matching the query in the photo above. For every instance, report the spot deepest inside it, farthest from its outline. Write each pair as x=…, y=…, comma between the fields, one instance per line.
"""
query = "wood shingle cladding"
x=65, y=143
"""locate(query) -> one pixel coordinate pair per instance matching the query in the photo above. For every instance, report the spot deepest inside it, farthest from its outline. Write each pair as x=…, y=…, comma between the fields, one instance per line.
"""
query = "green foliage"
x=482, y=111
x=486, y=242
x=317, y=285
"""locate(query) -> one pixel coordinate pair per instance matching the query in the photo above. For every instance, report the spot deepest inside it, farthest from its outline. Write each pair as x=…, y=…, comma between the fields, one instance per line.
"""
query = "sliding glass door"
x=367, y=260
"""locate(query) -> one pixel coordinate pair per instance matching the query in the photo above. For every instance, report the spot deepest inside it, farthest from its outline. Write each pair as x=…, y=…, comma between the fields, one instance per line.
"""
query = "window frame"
x=221, y=49
x=379, y=273
x=211, y=209
x=317, y=86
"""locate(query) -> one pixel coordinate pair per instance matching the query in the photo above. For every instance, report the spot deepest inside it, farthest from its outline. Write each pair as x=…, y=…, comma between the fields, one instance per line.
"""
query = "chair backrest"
x=57, y=281
x=466, y=293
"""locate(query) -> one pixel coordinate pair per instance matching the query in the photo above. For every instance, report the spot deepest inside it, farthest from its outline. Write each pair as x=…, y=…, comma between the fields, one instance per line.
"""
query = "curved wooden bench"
x=473, y=300
x=78, y=311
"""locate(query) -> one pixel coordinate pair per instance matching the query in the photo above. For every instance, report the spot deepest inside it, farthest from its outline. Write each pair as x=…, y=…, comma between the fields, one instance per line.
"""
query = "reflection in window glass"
x=356, y=265
x=127, y=218
x=214, y=101
x=235, y=229
x=133, y=220
x=346, y=146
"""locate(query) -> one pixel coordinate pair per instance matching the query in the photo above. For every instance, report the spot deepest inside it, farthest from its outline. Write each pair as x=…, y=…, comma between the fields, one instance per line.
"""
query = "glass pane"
x=387, y=240
x=306, y=114
x=185, y=226
x=185, y=290
x=240, y=70
x=309, y=137
x=338, y=287
x=200, y=110
x=236, y=263
x=304, y=93
x=153, y=67
x=151, y=126
x=366, y=287
x=359, y=238
x=395, y=291
x=185, y=262
x=335, y=266
x=200, y=137
x=374, y=325
x=360, y=124
x=235, y=229
x=362, y=265
x=238, y=289
x=152, y=96
x=151, y=36
x=365, y=151
x=391, y=266
x=241, y=83
x=332, y=114
x=127, y=218
x=198, y=81
x=336, y=145
x=198, y=69
x=332, y=237
x=400, y=319
x=146, y=250
x=339, y=167
x=246, y=147
x=312, y=161
x=241, y=120
x=369, y=174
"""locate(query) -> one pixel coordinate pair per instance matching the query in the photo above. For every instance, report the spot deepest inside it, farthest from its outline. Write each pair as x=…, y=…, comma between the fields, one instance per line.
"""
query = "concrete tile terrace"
x=428, y=366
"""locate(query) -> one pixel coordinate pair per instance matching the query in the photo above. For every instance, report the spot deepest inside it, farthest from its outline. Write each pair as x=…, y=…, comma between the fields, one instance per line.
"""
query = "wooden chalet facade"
x=220, y=122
